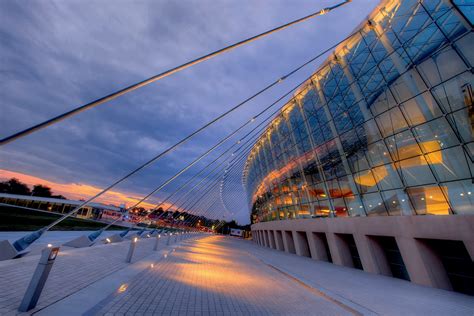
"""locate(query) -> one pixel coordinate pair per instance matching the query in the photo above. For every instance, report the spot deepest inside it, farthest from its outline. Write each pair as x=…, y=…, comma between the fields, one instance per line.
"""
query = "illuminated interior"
x=383, y=127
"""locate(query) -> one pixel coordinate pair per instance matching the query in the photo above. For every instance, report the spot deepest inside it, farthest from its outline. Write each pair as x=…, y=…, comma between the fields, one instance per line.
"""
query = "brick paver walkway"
x=73, y=270
x=215, y=276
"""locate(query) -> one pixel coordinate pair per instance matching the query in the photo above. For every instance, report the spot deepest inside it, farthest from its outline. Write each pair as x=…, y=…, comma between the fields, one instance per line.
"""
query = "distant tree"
x=41, y=190
x=62, y=197
x=14, y=186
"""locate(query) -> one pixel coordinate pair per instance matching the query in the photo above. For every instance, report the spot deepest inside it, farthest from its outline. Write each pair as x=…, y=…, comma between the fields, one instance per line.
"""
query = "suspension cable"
x=162, y=75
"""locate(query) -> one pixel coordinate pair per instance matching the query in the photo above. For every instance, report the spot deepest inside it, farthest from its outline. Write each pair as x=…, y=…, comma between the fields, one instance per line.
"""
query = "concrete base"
x=7, y=251
x=312, y=237
x=79, y=242
x=113, y=239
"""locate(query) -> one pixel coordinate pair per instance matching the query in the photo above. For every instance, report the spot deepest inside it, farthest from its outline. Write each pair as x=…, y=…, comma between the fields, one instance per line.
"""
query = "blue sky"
x=56, y=55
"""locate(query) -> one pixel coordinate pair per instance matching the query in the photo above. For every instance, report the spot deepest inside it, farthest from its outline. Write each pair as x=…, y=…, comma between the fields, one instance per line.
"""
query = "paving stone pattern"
x=73, y=270
x=214, y=276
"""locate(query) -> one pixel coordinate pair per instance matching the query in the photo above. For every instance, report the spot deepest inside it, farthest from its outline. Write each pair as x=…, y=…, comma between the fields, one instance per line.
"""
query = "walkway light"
x=131, y=249
x=39, y=278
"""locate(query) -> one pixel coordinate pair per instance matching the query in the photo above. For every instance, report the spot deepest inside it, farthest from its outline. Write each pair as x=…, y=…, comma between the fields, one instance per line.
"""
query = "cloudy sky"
x=56, y=55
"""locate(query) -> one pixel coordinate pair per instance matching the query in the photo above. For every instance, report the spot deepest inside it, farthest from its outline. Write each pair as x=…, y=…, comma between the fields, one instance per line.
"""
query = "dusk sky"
x=56, y=55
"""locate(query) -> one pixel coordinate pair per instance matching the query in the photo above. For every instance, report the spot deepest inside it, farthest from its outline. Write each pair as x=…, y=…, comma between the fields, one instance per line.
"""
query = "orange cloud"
x=77, y=191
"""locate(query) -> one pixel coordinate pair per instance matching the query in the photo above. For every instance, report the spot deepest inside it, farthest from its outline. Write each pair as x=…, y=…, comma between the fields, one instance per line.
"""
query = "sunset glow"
x=77, y=191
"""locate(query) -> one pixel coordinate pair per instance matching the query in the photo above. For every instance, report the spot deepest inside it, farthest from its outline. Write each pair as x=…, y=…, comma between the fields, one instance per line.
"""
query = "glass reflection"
x=383, y=128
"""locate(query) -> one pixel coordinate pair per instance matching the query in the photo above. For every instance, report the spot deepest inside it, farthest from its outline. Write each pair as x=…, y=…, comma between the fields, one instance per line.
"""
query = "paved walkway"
x=73, y=270
x=215, y=276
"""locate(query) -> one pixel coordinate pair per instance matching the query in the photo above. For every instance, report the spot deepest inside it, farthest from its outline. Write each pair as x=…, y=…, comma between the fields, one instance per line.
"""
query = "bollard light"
x=39, y=278
x=157, y=241
x=131, y=249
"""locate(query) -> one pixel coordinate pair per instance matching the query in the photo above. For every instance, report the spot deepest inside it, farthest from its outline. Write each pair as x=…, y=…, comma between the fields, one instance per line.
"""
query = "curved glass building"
x=384, y=128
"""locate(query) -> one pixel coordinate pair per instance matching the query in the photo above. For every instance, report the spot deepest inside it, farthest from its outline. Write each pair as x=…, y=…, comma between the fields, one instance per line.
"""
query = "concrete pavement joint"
x=348, y=305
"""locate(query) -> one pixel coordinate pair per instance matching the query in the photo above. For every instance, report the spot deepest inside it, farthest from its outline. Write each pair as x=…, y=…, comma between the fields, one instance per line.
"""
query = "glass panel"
x=466, y=45
x=466, y=7
x=378, y=154
x=391, y=122
x=435, y=135
x=449, y=164
x=421, y=109
x=355, y=206
x=462, y=123
x=450, y=94
x=415, y=171
x=365, y=181
x=461, y=196
x=387, y=177
x=407, y=86
x=403, y=146
x=322, y=208
x=340, y=207
x=397, y=202
x=428, y=200
x=368, y=132
x=442, y=66
x=374, y=204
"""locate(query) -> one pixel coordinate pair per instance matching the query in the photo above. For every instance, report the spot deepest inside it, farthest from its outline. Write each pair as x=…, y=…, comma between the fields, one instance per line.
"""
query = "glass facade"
x=384, y=127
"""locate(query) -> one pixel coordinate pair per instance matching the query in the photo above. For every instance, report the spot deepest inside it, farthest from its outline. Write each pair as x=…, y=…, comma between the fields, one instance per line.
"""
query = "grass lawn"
x=17, y=219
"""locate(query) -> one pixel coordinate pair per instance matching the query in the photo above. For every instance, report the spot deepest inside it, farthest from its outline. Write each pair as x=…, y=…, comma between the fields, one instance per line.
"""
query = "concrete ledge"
x=356, y=237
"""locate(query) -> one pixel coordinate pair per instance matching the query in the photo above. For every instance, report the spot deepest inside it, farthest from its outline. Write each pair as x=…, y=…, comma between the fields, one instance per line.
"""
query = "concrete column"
x=265, y=238
x=271, y=239
x=317, y=247
x=423, y=265
x=470, y=248
x=297, y=242
x=288, y=241
x=279, y=240
x=302, y=242
x=340, y=252
x=371, y=255
x=378, y=257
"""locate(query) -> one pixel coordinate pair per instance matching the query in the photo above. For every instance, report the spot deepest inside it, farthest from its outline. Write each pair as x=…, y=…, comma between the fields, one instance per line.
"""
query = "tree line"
x=15, y=186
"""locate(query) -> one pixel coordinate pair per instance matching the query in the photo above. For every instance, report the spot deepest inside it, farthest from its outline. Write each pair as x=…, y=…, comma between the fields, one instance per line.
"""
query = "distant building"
x=95, y=211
